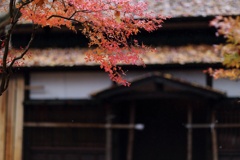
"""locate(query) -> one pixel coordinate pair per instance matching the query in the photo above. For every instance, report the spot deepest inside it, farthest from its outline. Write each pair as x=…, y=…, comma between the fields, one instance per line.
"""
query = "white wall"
x=232, y=88
x=196, y=76
x=82, y=85
x=68, y=85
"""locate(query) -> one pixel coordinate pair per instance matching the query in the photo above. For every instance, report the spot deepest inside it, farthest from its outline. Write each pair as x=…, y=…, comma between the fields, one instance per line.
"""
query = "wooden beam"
x=34, y=87
x=213, y=128
x=189, y=134
x=78, y=125
x=108, y=134
x=214, y=137
x=131, y=133
x=215, y=125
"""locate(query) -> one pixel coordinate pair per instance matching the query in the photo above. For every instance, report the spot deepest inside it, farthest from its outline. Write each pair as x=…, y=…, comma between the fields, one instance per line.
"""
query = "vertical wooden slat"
x=189, y=134
x=214, y=137
x=109, y=135
x=131, y=133
x=2, y=125
x=10, y=120
x=18, y=135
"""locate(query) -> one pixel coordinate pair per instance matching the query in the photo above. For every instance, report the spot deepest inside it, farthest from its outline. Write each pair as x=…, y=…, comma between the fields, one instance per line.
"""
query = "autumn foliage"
x=108, y=24
x=229, y=28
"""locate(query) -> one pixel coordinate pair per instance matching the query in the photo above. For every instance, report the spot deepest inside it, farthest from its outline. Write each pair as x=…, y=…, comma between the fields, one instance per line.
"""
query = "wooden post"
x=3, y=106
x=214, y=137
x=108, y=134
x=189, y=134
x=19, y=110
x=131, y=133
x=11, y=120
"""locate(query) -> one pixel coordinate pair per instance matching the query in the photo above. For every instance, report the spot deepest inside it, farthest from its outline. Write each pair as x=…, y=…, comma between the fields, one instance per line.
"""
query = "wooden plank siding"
x=19, y=111
x=11, y=120
x=2, y=125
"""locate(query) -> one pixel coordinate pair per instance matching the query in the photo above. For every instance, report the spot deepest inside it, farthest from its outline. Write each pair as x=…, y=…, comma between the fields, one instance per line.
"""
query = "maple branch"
x=11, y=4
x=71, y=17
x=67, y=18
x=109, y=25
x=13, y=14
x=26, y=48
x=7, y=70
x=9, y=22
x=4, y=83
x=6, y=48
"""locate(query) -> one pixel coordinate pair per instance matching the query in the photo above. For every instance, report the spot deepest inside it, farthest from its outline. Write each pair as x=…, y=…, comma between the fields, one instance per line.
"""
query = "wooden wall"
x=11, y=120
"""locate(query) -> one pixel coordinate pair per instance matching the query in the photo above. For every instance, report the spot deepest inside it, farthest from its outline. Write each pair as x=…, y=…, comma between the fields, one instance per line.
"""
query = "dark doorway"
x=164, y=136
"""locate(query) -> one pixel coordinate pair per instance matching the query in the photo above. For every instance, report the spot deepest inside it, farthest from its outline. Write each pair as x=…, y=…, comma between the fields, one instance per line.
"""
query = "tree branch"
x=7, y=70
x=4, y=83
x=67, y=18
x=70, y=18
x=8, y=23
x=25, y=50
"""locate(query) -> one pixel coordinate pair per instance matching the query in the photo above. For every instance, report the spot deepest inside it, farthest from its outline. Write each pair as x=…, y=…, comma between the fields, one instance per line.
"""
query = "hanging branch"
x=26, y=48
x=7, y=70
x=11, y=21
x=107, y=24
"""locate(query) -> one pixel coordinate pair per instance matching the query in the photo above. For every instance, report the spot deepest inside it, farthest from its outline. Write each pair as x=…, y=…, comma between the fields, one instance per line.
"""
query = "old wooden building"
x=58, y=107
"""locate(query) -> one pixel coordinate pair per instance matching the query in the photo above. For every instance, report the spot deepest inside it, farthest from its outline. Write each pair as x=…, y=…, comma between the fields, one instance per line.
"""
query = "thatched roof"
x=163, y=55
x=195, y=8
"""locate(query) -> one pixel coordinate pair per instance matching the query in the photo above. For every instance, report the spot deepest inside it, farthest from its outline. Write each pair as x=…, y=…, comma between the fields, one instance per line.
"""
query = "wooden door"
x=63, y=139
